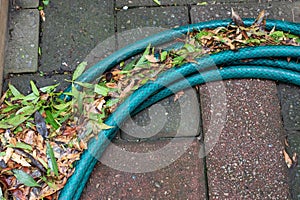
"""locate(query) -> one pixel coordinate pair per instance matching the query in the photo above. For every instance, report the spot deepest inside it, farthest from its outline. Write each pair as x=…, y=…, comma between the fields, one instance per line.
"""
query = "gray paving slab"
x=247, y=161
x=137, y=3
x=22, y=82
x=72, y=30
x=125, y=4
x=181, y=179
x=290, y=110
x=3, y=36
x=166, y=119
x=167, y=17
x=296, y=12
x=274, y=10
x=26, y=3
x=23, y=41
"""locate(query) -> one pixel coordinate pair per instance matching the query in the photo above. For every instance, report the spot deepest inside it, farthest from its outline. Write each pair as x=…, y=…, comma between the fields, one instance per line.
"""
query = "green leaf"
x=143, y=59
x=2, y=154
x=5, y=125
x=30, y=97
x=103, y=126
x=50, y=119
x=49, y=183
x=46, y=2
x=178, y=60
x=63, y=106
x=277, y=35
x=21, y=145
x=42, y=162
x=34, y=89
x=130, y=65
x=25, y=178
x=85, y=85
x=102, y=90
x=163, y=55
x=14, y=91
x=157, y=2
x=9, y=108
x=49, y=88
x=18, y=119
x=202, y=3
x=27, y=110
x=79, y=70
x=189, y=47
x=201, y=34
x=39, y=51
x=111, y=102
x=51, y=159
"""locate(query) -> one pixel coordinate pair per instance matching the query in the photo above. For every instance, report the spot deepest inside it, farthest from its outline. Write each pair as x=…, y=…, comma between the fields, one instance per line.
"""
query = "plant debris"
x=42, y=135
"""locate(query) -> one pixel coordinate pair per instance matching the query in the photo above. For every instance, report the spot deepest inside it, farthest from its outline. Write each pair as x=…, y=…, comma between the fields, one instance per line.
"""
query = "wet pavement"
x=252, y=117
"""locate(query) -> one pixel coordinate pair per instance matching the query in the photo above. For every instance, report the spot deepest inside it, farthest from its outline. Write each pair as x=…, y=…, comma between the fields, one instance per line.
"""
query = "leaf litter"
x=43, y=135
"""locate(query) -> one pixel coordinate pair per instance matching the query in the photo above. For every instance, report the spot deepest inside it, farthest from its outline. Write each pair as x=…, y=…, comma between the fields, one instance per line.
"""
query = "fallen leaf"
x=20, y=160
x=42, y=14
x=8, y=153
x=236, y=18
x=40, y=124
x=178, y=95
x=157, y=2
x=288, y=160
x=260, y=18
x=151, y=58
x=25, y=178
x=286, y=142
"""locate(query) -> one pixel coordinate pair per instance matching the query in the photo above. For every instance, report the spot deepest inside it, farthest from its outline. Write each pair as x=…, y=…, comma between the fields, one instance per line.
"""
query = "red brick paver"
x=247, y=162
x=183, y=179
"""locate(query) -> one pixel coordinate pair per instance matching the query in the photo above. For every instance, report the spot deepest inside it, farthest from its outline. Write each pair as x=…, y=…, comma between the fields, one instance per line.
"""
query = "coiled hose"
x=180, y=78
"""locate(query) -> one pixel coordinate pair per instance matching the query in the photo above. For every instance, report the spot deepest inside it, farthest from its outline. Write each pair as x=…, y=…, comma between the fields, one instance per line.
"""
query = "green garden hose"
x=84, y=166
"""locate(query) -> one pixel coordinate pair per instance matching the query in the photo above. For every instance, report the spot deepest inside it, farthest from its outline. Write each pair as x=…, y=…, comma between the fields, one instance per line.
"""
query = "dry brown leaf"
x=13, y=141
x=287, y=159
x=236, y=18
x=111, y=85
x=128, y=88
x=42, y=13
x=99, y=104
x=8, y=153
x=260, y=18
x=178, y=95
x=151, y=58
x=19, y=159
x=286, y=142
x=29, y=137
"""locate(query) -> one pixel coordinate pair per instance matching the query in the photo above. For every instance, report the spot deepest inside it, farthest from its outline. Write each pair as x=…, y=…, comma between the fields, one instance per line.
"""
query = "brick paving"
x=246, y=161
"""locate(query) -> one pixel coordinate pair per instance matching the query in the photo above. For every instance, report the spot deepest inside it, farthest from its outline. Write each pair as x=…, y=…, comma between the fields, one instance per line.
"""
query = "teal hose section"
x=291, y=65
x=84, y=166
x=166, y=36
x=170, y=90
